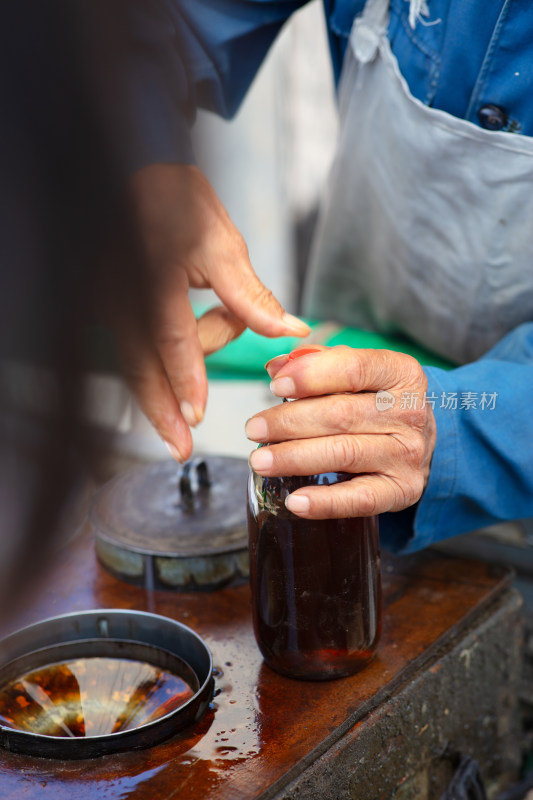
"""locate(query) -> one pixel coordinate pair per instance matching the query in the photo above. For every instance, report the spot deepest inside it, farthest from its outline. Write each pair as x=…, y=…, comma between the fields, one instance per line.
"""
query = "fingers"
x=363, y=496
x=179, y=348
x=144, y=372
x=182, y=341
x=186, y=239
x=222, y=262
x=322, y=416
x=217, y=327
x=344, y=369
x=251, y=301
x=275, y=364
x=327, y=380
x=184, y=223
x=339, y=422
x=365, y=453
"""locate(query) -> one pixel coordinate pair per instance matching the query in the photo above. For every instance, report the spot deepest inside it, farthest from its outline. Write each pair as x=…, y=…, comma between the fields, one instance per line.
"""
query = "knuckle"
x=414, y=374
x=419, y=418
x=167, y=339
x=340, y=414
x=418, y=486
x=254, y=294
x=412, y=450
x=342, y=348
x=343, y=451
x=367, y=501
x=284, y=421
x=415, y=417
x=408, y=490
x=263, y=296
x=346, y=506
x=410, y=365
x=412, y=490
x=355, y=372
x=240, y=246
x=170, y=333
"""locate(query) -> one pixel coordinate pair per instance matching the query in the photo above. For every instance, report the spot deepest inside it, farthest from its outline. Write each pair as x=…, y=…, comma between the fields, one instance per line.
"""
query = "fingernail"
x=297, y=503
x=256, y=429
x=189, y=414
x=261, y=459
x=275, y=364
x=296, y=324
x=283, y=387
x=303, y=351
x=174, y=452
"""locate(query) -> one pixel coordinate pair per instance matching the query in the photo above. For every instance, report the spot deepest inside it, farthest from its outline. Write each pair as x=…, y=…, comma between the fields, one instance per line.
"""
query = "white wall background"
x=268, y=165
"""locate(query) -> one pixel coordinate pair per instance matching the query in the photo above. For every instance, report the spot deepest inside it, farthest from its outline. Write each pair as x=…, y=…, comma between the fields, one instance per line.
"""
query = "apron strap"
x=368, y=28
x=371, y=24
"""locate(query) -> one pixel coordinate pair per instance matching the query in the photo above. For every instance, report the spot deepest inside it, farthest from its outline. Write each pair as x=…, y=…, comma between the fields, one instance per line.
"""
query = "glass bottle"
x=316, y=584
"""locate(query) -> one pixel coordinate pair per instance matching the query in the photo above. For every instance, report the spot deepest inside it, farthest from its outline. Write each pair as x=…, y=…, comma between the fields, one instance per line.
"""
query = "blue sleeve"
x=184, y=55
x=148, y=100
x=482, y=467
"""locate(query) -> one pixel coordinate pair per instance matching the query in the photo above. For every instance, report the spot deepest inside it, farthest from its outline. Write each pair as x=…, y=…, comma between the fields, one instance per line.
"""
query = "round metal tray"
x=158, y=640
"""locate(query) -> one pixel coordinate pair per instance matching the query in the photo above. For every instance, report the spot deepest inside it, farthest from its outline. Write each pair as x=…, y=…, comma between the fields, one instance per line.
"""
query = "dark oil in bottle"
x=316, y=584
x=93, y=696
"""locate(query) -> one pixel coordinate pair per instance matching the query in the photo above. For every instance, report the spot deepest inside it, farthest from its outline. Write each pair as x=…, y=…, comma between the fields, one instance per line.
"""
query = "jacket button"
x=493, y=118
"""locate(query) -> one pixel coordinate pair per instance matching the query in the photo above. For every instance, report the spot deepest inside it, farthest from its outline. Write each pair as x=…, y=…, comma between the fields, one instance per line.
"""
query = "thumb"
x=217, y=327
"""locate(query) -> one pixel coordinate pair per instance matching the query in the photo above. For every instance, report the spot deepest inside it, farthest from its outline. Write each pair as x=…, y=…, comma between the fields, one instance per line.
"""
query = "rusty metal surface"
x=175, y=526
x=465, y=703
x=263, y=730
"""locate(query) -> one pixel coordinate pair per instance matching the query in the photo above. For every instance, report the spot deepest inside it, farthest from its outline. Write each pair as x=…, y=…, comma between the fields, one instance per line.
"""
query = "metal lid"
x=182, y=527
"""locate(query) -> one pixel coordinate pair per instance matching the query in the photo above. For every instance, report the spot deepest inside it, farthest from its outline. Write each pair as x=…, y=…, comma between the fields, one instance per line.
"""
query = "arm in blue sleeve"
x=135, y=80
x=182, y=55
x=223, y=44
x=482, y=466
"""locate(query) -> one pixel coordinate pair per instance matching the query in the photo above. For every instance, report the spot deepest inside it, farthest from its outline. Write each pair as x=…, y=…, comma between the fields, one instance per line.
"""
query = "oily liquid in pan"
x=316, y=585
x=93, y=696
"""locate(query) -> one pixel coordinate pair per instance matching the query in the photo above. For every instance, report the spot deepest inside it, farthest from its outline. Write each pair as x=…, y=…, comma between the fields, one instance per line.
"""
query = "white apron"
x=427, y=223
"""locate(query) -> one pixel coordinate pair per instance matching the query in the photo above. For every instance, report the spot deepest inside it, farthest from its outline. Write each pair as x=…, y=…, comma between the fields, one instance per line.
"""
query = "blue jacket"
x=205, y=53
x=472, y=59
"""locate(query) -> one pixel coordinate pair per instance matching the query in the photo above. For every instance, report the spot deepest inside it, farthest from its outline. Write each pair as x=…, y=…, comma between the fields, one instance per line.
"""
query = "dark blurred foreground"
x=62, y=177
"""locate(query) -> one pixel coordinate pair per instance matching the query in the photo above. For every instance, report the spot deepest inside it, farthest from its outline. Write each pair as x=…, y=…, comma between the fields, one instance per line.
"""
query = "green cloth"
x=246, y=356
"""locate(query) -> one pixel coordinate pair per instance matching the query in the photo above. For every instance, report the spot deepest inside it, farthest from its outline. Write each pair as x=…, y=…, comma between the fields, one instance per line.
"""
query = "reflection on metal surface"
x=119, y=680
x=92, y=696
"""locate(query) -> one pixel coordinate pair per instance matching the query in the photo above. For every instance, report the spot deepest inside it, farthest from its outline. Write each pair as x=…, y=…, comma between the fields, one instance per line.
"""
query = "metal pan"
x=157, y=640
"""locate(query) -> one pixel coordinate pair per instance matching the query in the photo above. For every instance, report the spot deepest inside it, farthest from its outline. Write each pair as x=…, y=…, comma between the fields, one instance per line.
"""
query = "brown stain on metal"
x=262, y=729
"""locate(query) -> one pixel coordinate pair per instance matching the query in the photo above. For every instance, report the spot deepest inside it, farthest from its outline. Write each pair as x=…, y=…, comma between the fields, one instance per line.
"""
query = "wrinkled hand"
x=187, y=239
x=336, y=425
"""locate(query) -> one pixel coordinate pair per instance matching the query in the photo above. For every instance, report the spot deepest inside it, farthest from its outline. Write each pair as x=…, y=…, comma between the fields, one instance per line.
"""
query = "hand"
x=186, y=239
x=335, y=426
